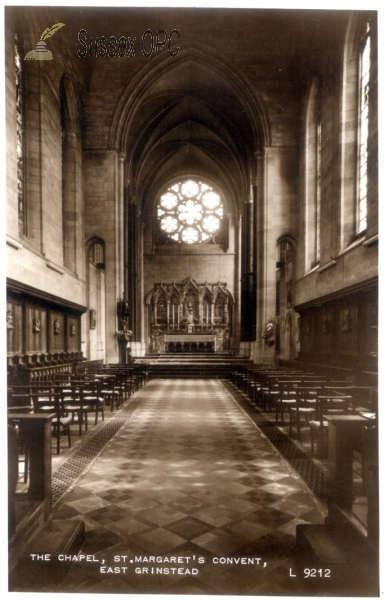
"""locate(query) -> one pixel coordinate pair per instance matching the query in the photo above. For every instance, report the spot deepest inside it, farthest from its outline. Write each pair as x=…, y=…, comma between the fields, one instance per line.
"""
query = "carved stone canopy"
x=189, y=307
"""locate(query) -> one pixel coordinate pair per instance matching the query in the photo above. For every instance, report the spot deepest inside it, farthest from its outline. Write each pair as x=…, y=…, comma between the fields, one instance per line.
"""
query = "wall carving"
x=189, y=308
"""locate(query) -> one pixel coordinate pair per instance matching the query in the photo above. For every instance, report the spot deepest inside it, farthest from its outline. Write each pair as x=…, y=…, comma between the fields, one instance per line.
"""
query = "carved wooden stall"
x=42, y=329
x=190, y=317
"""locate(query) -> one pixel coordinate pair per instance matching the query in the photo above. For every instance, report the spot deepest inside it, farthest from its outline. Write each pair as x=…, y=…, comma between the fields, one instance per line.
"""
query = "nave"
x=188, y=475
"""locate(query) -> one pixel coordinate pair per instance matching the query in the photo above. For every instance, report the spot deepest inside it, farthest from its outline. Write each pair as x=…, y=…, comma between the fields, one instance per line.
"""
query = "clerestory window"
x=313, y=176
x=19, y=138
x=362, y=194
x=318, y=195
x=190, y=212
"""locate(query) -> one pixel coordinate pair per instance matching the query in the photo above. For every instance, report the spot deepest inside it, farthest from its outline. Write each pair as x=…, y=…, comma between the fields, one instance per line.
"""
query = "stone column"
x=140, y=290
x=247, y=300
x=132, y=262
x=237, y=285
x=258, y=194
x=267, y=244
x=101, y=190
x=120, y=224
x=276, y=215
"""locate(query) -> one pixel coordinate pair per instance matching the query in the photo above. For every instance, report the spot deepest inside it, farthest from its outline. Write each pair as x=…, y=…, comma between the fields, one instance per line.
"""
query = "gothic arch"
x=66, y=89
x=206, y=57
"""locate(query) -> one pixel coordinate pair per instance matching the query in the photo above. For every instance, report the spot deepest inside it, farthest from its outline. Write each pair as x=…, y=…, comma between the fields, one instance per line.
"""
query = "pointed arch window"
x=313, y=172
x=96, y=255
x=318, y=195
x=19, y=138
x=364, y=80
x=70, y=163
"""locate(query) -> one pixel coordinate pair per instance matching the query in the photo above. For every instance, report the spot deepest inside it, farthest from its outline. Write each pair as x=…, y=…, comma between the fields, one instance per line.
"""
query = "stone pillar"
x=246, y=265
x=267, y=245
x=237, y=285
x=120, y=224
x=131, y=253
x=276, y=215
x=140, y=288
x=103, y=198
x=256, y=346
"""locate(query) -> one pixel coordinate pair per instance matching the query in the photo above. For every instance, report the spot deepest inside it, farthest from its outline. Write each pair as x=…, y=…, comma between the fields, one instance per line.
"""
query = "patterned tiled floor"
x=190, y=480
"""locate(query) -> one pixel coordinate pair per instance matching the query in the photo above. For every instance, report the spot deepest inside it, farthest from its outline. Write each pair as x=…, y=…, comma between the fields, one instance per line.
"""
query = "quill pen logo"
x=41, y=52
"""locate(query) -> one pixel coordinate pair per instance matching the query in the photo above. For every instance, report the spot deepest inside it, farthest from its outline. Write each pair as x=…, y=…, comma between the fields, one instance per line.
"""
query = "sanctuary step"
x=191, y=366
x=191, y=357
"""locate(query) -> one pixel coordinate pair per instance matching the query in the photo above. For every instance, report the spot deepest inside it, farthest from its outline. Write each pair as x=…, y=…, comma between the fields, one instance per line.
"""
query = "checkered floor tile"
x=188, y=477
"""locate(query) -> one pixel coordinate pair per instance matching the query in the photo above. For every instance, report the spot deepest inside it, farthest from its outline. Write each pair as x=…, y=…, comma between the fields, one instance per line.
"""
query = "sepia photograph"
x=192, y=300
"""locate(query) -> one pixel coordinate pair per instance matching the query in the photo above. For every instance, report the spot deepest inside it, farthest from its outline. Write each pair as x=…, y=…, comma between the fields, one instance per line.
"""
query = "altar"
x=188, y=316
x=190, y=342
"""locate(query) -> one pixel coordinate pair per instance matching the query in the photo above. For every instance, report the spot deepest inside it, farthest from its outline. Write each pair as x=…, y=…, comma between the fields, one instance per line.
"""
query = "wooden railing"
x=88, y=365
x=41, y=359
x=24, y=376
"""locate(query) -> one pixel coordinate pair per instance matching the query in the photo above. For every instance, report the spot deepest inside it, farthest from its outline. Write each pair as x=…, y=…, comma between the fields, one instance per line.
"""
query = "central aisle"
x=188, y=476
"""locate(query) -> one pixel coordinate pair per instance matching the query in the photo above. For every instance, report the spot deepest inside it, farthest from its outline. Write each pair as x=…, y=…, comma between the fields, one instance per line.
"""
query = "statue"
x=92, y=318
x=123, y=307
x=124, y=336
x=190, y=319
x=36, y=325
x=268, y=334
x=156, y=340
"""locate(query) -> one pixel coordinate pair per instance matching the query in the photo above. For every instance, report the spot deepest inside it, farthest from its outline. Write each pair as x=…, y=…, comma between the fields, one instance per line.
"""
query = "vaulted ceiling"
x=190, y=123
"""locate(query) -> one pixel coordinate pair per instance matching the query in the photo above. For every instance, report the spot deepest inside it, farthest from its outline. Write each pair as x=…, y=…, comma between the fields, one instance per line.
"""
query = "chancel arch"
x=173, y=139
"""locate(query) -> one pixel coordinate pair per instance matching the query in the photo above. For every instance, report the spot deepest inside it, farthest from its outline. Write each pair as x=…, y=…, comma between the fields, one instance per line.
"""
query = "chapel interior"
x=192, y=280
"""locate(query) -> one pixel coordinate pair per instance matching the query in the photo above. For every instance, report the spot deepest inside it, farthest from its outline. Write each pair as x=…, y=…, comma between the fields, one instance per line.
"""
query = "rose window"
x=190, y=212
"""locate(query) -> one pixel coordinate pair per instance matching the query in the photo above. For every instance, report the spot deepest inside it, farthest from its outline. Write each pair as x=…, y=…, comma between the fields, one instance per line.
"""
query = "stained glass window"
x=190, y=212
